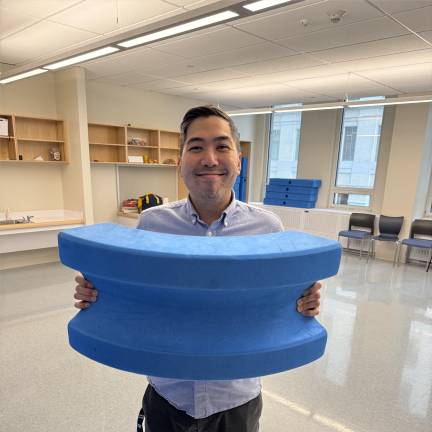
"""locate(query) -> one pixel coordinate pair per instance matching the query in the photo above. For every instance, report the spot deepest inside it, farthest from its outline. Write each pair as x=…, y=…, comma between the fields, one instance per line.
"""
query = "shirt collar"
x=226, y=215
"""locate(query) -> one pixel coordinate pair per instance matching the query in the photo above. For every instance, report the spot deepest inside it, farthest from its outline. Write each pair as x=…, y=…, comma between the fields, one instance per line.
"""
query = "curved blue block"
x=197, y=307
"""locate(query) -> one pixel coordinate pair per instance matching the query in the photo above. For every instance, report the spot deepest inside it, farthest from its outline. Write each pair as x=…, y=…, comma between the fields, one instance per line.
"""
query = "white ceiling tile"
x=210, y=76
x=287, y=24
x=38, y=8
x=280, y=64
x=399, y=59
x=393, y=6
x=12, y=21
x=408, y=79
x=364, y=31
x=193, y=4
x=160, y=84
x=418, y=19
x=372, y=49
x=341, y=85
x=130, y=12
x=125, y=79
x=243, y=56
x=210, y=42
x=40, y=40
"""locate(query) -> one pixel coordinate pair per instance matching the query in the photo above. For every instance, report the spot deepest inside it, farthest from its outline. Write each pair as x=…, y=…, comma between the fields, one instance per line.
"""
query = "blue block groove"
x=289, y=203
x=311, y=192
x=296, y=182
x=197, y=308
x=291, y=196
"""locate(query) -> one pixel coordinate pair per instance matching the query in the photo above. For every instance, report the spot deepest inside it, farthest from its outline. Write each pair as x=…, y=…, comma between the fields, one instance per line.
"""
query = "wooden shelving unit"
x=115, y=144
x=33, y=140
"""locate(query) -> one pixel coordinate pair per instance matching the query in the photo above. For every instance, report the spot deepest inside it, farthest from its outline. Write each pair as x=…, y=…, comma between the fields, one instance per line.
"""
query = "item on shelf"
x=135, y=159
x=146, y=159
x=55, y=154
x=130, y=206
x=154, y=161
x=20, y=157
x=169, y=161
x=137, y=141
x=4, y=126
x=149, y=200
x=39, y=158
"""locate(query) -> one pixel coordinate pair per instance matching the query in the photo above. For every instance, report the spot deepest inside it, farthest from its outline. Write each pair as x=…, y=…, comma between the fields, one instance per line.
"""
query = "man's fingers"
x=311, y=312
x=313, y=289
x=80, y=280
x=82, y=305
x=90, y=292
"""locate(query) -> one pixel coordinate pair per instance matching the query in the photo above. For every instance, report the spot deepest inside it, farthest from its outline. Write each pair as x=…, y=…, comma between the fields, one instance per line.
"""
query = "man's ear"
x=240, y=155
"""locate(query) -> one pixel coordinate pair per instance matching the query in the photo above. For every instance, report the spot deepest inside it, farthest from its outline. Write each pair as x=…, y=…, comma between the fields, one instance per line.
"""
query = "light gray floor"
x=376, y=375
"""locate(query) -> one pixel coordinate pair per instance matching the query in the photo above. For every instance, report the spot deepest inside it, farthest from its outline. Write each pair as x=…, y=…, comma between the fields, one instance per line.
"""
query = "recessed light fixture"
x=181, y=28
x=264, y=4
x=23, y=75
x=82, y=57
x=387, y=102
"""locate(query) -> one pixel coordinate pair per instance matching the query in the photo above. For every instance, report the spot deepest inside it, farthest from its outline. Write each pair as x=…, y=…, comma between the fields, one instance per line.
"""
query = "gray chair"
x=389, y=229
x=419, y=227
x=359, y=220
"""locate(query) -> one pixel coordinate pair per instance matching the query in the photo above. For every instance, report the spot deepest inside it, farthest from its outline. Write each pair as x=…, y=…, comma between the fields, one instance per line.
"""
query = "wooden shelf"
x=107, y=144
x=33, y=162
x=48, y=141
x=142, y=146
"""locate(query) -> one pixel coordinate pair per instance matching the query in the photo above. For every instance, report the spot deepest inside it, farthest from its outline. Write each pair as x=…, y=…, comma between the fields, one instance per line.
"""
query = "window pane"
x=358, y=153
x=284, y=144
x=361, y=200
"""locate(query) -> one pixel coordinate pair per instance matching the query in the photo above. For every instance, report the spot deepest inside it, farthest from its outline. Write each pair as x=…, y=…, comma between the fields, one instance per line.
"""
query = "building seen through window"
x=358, y=155
x=284, y=145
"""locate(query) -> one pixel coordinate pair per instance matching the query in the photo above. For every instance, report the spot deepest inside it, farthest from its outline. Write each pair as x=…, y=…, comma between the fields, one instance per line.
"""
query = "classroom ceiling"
x=291, y=54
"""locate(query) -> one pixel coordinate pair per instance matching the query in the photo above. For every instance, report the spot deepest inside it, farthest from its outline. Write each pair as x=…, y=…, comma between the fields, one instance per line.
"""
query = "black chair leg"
x=429, y=264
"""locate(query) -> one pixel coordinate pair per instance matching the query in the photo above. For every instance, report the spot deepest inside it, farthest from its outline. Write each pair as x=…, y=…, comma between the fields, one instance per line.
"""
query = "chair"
x=389, y=229
x=422, y=227
x=359, y=220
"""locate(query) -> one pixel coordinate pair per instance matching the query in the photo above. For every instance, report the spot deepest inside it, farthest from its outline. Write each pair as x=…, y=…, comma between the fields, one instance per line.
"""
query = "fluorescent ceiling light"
x=263, y=4
x=306, y=108
x=82, y=57
x=249, y=112
x=23, y=75
x=387, y=102
x=181, y=28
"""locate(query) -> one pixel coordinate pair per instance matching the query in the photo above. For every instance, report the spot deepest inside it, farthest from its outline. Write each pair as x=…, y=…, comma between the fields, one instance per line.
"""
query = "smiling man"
x=209, y=165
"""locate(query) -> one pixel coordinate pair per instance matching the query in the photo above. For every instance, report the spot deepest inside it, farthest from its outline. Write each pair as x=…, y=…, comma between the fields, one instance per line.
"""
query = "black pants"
x=161, y=416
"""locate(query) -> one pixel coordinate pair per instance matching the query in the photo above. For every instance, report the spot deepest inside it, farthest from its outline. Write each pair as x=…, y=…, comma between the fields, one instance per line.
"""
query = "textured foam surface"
x=197, y=307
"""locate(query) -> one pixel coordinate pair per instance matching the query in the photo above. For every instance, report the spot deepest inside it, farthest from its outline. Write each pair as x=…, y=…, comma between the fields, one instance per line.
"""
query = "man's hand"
x=309, y=303
x=84, y=292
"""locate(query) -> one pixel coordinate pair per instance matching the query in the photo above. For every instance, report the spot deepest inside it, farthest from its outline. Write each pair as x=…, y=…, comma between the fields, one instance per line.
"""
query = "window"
x=284, y=145
x=358, y=156
x=428, y=210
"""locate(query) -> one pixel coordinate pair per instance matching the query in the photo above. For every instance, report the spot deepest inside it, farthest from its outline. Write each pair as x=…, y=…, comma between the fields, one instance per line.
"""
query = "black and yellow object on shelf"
x=148, y=200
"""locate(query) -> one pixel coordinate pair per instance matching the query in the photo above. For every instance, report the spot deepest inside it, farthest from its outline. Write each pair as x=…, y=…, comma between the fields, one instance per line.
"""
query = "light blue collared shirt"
x=203, y=398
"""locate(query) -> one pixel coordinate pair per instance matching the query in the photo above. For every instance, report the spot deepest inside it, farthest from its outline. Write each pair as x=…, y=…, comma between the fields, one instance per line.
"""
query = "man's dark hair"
x=206, y=111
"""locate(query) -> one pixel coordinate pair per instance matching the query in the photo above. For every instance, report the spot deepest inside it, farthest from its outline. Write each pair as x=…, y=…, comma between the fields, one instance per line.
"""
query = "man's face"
x=210, y=161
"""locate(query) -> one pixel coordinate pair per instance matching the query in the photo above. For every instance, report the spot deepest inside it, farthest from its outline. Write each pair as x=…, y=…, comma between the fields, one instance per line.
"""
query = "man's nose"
x=209, y=158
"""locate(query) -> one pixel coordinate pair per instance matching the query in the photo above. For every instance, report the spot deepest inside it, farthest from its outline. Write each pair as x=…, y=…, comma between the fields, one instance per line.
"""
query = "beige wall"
x=319, y=139
x=121, y=106
x=33, y=97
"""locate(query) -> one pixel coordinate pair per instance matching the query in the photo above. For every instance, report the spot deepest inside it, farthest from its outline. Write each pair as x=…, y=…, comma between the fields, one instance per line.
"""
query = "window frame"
x=359, y=191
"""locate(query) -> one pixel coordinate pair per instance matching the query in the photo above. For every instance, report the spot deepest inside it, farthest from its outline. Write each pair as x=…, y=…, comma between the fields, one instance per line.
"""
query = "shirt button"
x=209, y=233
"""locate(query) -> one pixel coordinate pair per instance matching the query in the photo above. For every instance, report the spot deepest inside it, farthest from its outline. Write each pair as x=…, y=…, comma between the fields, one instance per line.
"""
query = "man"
x=209, y=165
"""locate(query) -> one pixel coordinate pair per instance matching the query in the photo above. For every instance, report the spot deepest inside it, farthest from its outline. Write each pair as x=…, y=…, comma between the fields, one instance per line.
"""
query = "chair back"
x=362, y=220
x=421, y=227
x=390, y=224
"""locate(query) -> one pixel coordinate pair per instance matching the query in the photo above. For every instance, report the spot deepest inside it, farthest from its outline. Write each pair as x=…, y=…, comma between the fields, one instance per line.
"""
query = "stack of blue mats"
x=301, y=193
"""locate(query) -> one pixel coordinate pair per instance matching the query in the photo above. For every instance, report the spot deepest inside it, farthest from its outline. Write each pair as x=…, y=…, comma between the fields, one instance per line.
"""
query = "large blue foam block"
x=197, y=307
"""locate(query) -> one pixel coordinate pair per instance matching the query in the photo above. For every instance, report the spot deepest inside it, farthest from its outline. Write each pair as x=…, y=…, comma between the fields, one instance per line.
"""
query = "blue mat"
x=197, y=307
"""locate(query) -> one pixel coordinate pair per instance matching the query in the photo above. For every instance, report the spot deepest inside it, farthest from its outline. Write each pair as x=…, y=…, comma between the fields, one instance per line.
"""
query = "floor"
x=376, y=375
